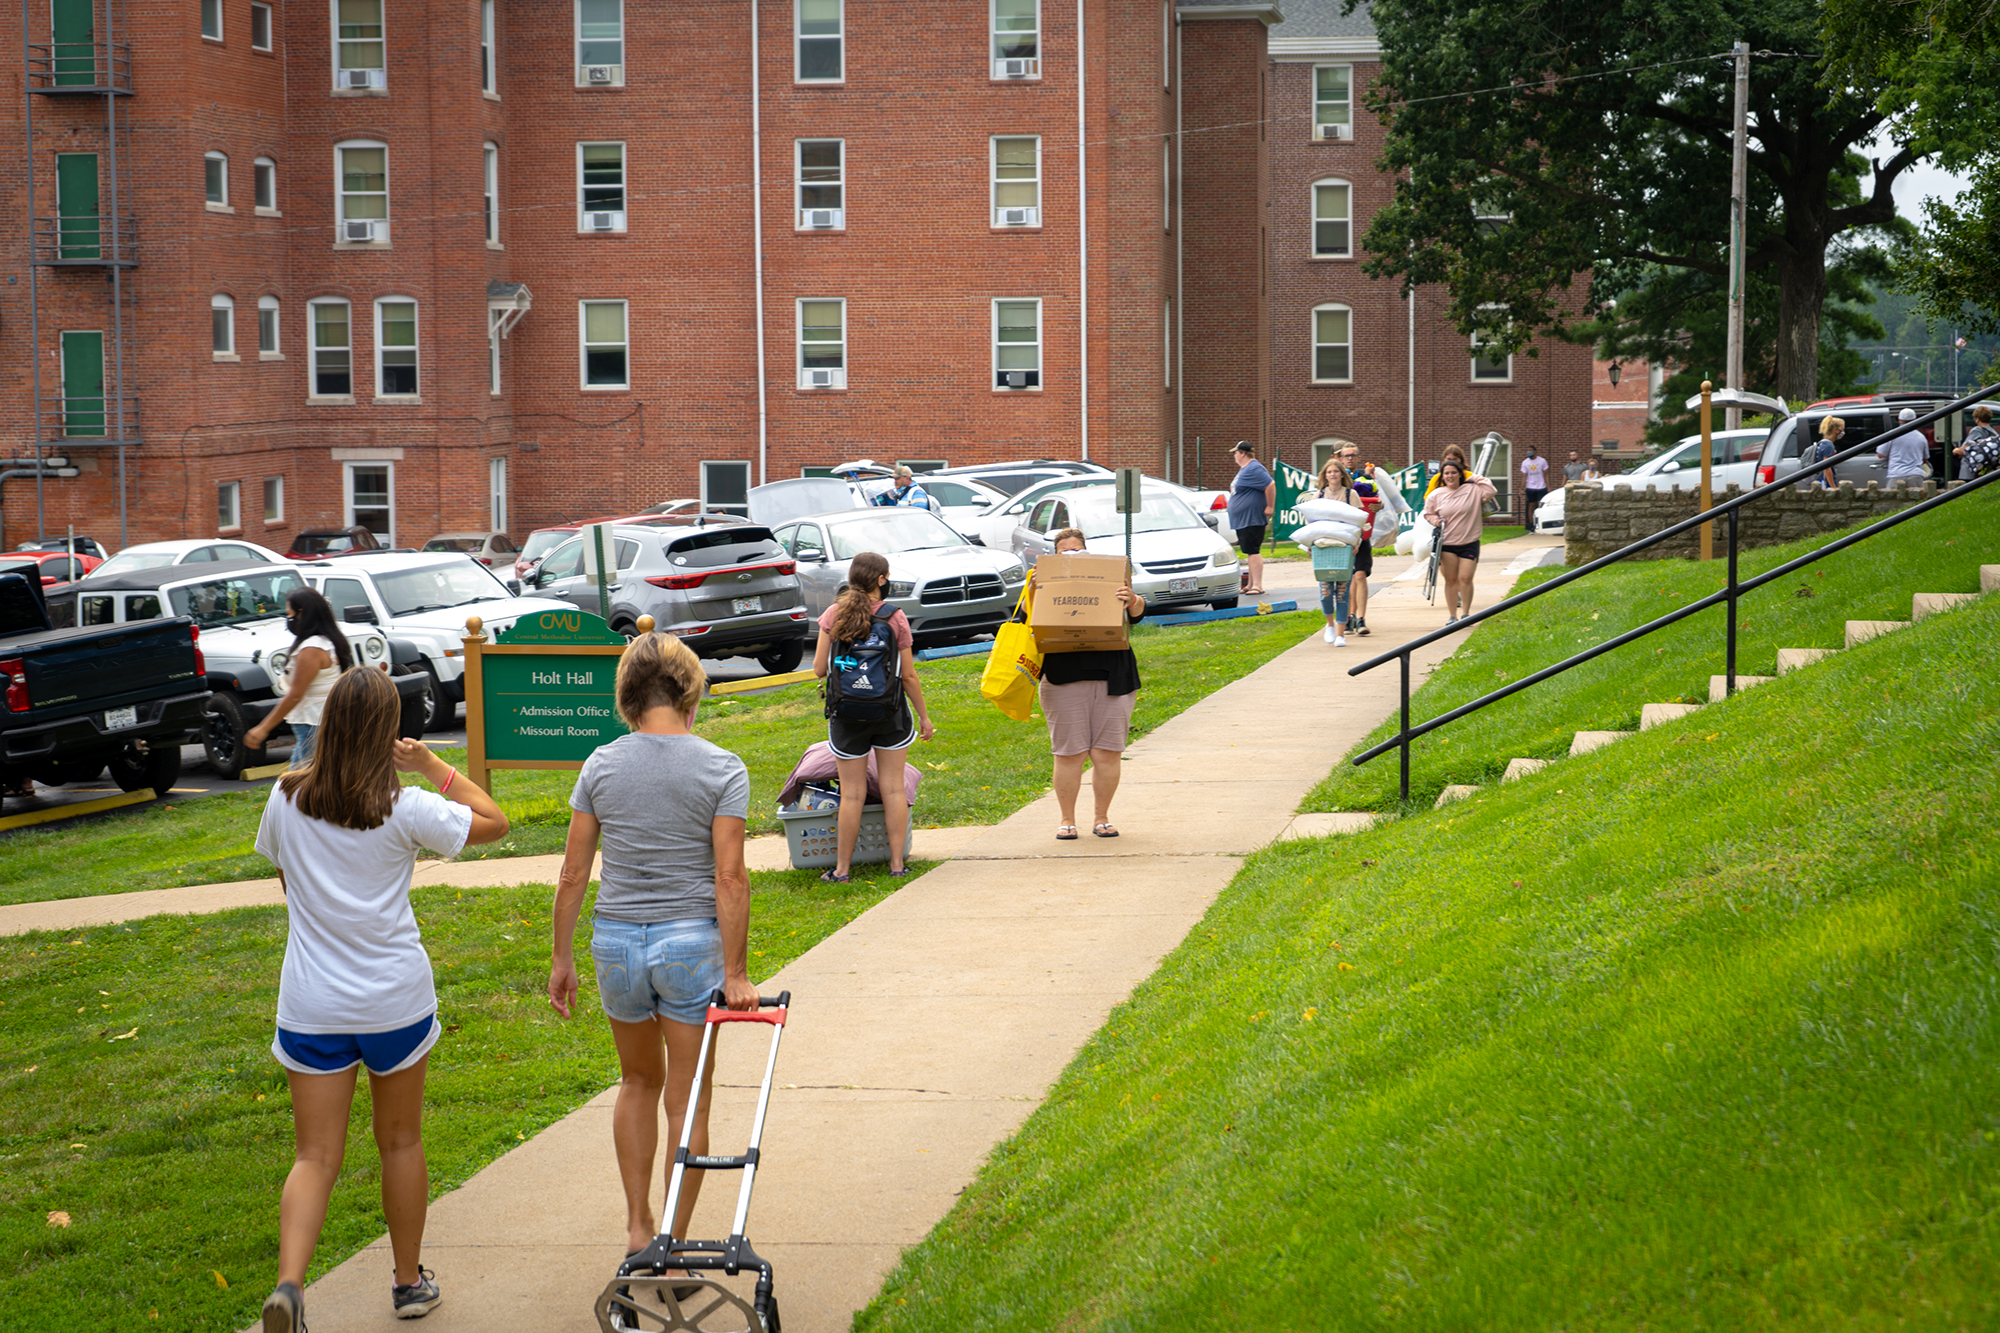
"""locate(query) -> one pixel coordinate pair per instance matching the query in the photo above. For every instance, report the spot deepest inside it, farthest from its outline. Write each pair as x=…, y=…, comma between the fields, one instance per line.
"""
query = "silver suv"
x=727, y=590
x=1864, y=418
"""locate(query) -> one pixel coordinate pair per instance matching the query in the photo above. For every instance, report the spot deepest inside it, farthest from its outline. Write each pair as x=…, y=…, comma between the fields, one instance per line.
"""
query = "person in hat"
x=1905, y=453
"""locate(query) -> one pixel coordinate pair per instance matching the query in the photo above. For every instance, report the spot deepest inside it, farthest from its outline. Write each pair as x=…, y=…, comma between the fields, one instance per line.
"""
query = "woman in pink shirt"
x=1458, y=509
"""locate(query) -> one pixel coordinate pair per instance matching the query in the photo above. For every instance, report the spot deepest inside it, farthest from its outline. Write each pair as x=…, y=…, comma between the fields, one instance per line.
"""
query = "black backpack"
x=862, y=681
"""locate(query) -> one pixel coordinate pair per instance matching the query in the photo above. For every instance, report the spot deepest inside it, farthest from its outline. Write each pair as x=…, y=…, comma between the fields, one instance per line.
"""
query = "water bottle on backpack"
x=864, y=680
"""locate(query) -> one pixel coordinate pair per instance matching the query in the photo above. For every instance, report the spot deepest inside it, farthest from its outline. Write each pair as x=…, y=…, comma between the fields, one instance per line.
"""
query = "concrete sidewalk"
x=928, y=1029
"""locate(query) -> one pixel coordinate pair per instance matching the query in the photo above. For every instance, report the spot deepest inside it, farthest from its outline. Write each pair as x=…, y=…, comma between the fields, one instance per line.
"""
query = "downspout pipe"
x=757, y=240
x=34, y=287
x=1082, y=241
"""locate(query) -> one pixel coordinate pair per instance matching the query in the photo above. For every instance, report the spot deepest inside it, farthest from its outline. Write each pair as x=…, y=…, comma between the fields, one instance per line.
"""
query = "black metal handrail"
x=80, y=67
x=86, y=241
x=1729, y=593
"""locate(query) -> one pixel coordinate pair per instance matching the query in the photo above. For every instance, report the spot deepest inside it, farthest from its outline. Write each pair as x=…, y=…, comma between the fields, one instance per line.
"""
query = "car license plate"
x=743, y=606
x=1182, y=585
x=117, y=719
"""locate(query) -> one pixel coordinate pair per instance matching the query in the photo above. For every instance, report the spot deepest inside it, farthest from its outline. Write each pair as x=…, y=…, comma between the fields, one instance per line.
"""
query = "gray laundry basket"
x=813, y=836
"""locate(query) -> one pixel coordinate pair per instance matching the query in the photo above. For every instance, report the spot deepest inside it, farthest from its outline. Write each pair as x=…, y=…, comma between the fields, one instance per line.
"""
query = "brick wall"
x=1599, y=519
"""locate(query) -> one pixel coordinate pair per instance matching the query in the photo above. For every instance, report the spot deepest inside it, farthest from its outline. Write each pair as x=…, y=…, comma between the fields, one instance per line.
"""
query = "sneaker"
x=285, y=1310
x=1339, y=642
x=1360, y=627
x=1329, y=636
x=419, y=1298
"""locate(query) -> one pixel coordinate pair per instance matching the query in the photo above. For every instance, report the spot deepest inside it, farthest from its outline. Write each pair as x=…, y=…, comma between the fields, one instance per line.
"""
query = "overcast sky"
x=1916, y=183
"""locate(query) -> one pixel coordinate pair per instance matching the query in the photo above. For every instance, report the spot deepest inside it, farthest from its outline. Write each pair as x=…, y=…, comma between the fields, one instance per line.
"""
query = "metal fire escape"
x=87, y=235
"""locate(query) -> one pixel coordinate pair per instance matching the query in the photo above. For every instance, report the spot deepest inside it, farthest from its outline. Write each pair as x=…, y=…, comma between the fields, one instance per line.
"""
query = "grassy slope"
x=980, y=768
x=1710, y=1040
x=168, y=1149
x=1938, y=552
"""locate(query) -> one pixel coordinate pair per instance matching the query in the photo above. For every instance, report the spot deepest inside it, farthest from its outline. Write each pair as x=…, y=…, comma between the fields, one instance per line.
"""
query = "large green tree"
x=1607, y=153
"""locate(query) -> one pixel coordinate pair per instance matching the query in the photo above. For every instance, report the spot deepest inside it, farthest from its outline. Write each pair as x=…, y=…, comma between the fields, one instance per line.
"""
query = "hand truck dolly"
x=695, y=1302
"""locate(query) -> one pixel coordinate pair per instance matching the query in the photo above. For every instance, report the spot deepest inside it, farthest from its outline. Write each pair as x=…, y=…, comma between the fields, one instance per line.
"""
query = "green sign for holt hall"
x=543, y=694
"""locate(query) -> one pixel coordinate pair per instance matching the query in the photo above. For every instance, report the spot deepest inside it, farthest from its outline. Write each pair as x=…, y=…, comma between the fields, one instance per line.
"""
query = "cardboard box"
x=1076, y=603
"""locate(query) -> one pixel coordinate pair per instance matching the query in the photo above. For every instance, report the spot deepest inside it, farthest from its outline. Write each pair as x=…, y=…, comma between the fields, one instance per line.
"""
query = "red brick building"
x=427, y=265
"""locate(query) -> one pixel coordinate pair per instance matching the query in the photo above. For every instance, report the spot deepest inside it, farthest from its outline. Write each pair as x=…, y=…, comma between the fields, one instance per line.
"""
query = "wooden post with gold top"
x=1707, y=452
x=475, y=705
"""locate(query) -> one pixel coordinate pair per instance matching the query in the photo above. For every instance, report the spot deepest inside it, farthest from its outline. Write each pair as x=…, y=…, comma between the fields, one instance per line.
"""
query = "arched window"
x=332, y=348
x=215, y=178
x=264, y=182
x=1333, y=344
x=396, y=347
x=491, y=166
x=222, y=325
x=1333, y=220
x=267, y=326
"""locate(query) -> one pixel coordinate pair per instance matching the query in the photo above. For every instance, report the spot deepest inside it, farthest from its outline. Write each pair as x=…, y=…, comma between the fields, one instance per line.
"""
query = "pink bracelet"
x=449, y=777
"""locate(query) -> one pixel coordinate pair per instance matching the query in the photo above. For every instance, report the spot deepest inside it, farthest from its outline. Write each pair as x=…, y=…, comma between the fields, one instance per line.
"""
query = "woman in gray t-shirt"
x=673, y=909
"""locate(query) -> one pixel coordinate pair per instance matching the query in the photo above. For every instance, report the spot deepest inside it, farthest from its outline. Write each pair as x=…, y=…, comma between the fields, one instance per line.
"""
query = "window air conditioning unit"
x=1020, y=217
x=1017, y=69
x=602, y=221
x=351, y=230
x=359, y=78
x=1019, y=379
x=821, y=219
x=823, y=379
x=1336, y=131
x=600, y=74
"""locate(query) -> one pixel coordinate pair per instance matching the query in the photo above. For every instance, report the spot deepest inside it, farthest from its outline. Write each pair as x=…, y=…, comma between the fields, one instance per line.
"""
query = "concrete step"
x=1321, y=823
x=1457, y=791
x=1861, y=631
x=1930, y=603
x=1520, y=768
x=1718, y=686
x=1989, y=578
x=1586, y=741
x=1791, y=659
x=1655, y=715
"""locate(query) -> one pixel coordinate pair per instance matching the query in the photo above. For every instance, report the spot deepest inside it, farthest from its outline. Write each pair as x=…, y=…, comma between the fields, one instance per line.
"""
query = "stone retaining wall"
x=1601, y=519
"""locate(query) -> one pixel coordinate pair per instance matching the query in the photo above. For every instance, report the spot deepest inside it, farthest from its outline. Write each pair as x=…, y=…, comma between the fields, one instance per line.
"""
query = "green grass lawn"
x=980, y=768
x=1938, y=552
x=141, y=1097
x=1699, y=1031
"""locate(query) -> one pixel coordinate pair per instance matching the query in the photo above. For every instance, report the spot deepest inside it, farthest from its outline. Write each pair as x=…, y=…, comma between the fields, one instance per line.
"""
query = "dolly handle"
x=720, y=1012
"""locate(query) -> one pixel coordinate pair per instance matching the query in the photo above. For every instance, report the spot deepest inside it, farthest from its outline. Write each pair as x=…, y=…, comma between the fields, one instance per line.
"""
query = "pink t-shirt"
x=899, y=625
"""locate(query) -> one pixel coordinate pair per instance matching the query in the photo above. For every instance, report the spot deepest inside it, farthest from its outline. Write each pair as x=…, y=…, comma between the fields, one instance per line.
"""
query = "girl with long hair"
x=871, y=674
x=1335, y=484
x=319, y=653
x=672, y=920
x=1458, y=509
x=356, y=985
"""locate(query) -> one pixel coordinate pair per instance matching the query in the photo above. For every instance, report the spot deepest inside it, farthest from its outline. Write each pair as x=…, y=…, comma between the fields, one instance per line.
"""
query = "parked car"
x=320, y=543
x=726, y=590
x=995, y=527
x=80, y=545
x=77, y=699
x=1732, y=458
x=239, y=607
x=488, y=548
x=950, y=589
x=1177, y=559
x=1014, y=477
x=1864, y=418
x=58, y=566
x=425, y=598
x=1553, y=513
x=543, y=540
x=681, y=506
x=203, y=550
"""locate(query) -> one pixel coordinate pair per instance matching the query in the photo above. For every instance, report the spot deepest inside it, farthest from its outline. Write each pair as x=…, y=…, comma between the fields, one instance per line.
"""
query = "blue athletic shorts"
x=338, y=1052
x=668, y=968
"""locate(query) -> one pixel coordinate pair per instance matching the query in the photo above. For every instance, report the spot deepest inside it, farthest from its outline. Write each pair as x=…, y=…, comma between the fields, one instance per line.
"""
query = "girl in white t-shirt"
x=356, y=986
x=319, y=653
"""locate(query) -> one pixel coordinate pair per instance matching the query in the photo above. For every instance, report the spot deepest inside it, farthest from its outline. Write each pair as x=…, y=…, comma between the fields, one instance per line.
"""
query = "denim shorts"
x=668, y=968
x=304, y=734
x=338, y=1052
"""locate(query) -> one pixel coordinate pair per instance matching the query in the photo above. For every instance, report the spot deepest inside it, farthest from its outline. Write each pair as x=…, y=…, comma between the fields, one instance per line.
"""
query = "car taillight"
x=788, y=567
x=200, y=662
x=1221, y=502
x=14, y=672
x=1767, y=473
x=678, y=582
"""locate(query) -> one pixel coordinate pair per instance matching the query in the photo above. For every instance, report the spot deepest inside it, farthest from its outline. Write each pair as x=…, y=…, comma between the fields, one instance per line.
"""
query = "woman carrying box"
x=1087, y=699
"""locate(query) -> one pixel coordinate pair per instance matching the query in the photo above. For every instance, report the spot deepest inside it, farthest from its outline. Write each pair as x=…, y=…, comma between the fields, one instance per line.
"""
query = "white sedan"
x=202, y=550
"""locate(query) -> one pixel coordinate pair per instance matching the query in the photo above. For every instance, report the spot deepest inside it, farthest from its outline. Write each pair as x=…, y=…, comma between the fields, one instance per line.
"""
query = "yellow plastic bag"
x=1014, y=668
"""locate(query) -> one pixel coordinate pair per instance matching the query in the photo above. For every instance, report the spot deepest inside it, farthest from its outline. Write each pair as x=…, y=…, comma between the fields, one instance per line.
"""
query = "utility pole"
x=1739, y=217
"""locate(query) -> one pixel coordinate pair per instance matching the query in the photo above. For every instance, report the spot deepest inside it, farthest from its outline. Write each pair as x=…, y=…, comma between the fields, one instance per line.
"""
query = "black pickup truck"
x=79, y=700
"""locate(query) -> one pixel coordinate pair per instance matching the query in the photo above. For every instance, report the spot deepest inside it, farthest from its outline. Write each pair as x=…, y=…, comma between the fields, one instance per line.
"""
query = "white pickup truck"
x=424, y=598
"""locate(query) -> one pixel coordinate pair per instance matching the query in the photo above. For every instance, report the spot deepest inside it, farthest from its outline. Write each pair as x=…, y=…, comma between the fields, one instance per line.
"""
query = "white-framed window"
x=264, y=184
x=600, y=43
x=1333, y=344
x=1489, y=213
x=274, y=499
x=1166, y=184
x=490, y=185
x=215, y=178
x=222, y=325
x=1487, y=368
x=823, y=342
x=486, y=46
x=493, y=362
x=211, y=19
x=229, y=506
x=267, y=326
x=1017, y=39
x=361, y=169
x=600, y=184
x=1333, y=102
x=1167, y=44
x=1017, y=343
x=1333, y=220
x=369, y=490
x=332, y=348
x=725, y=485
x=1167, y=343
x=821, y=27
x=1017, y=180
x=601, y=325
x=396, y=347
x=260, y=27
x=360, y=53
x=822, y=183
x=496, y=493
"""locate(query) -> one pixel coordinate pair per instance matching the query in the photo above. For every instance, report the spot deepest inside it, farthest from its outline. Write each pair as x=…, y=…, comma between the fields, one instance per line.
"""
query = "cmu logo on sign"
x=562, y=620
